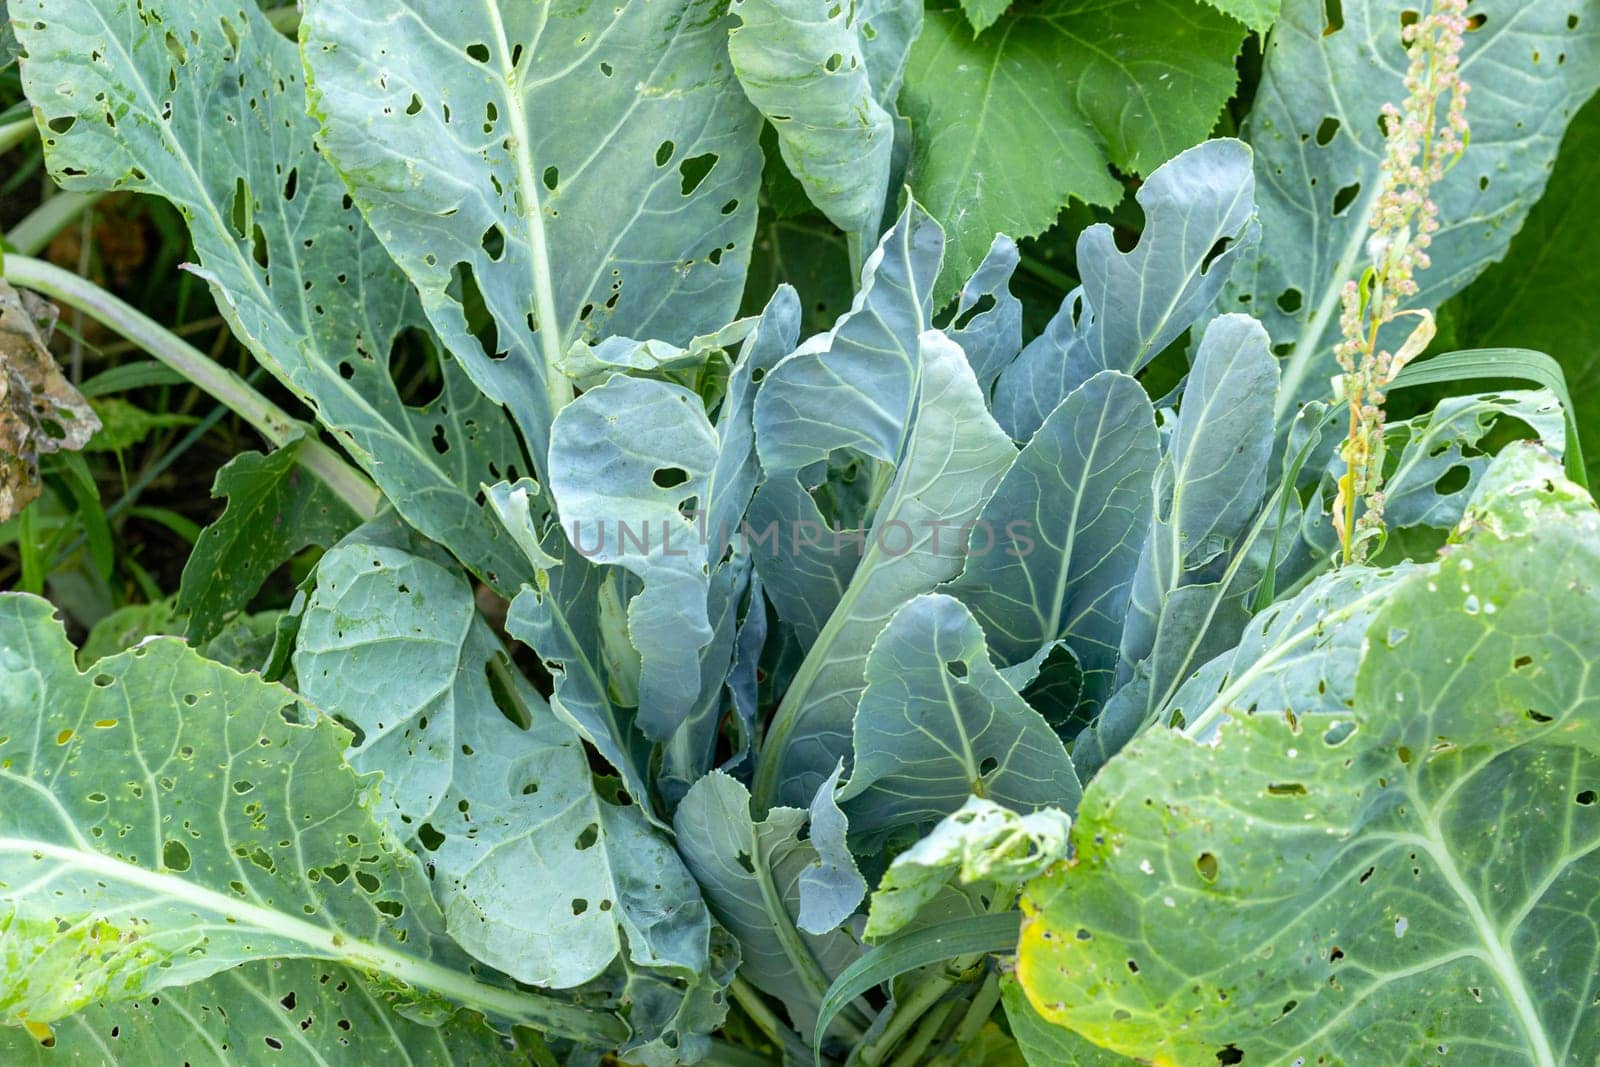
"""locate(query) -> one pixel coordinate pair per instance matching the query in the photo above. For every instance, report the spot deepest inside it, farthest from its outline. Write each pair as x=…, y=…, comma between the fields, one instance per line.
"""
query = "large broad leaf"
x=463, y=152
x=1064, y=530
x=1537, y=297
x=1413, y=876
x=1012, y=123
x=503, y=812
x=212, y=119
x=274, y=510
x=750, y=873
x=163, y=818
x=950, y=459
x=297, y=1010
x=1318, y=146
x=937, y=724
x=1199, y=218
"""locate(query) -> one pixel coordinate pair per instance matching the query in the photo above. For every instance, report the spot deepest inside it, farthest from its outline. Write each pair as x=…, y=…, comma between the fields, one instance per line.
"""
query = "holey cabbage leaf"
x=1328, y=71
x=1411, y=876
x=503, y=811
x=466, y=156
x=201, y=103
x=164, y=818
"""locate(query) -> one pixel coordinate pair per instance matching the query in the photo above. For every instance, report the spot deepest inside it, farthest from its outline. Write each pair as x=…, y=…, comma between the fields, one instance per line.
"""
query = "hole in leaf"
x=1208, y=867
x=1327, y=131
x=494, y=242
x=988, y=766
x=552, y=175
x=833, y=63
x=693, y=171
x=1538, y=716
x=1215, y=254
x=1290, y=300
x=664, y=153
x=175, y=856
x=669, y=477
x=1586, y=798
x=478, y=52
x=588, y=837
x=1230, y=1054
x=579, y=905
x=239, y=210
x=1345, y=197
x=415, y=107
x=1476, y=22
x=464, y=284
x=957, y=669
x=1333, y=11
x=430, y=837
x=1453, y=480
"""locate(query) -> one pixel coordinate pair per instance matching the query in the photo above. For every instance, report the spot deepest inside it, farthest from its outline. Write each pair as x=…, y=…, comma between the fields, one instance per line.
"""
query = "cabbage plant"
x=939, y=686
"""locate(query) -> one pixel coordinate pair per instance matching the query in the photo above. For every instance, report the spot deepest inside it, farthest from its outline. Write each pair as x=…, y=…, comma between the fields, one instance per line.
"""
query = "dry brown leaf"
x=40, y=411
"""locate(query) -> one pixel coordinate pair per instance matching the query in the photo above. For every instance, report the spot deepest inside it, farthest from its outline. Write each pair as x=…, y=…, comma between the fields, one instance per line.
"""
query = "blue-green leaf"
x=1064, y=531
x=936, y=724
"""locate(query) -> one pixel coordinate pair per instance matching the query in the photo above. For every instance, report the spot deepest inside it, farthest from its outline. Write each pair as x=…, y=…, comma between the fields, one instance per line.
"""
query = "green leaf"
x=325, y=318
x=981, y=842
x=1434, y=842
x=163, y=818
x=1257, y=14
x=983, y=13
x=750, y=873
x=274, y=511
x=804, y=68
x=1318, y=148
x=635, y=219
x=138, y=374
x=936, y=724
x=1012, y=137
x=1080, y=493
x=124, y=424
x=306, y=1010
x=537, y=873
x=1535, y=297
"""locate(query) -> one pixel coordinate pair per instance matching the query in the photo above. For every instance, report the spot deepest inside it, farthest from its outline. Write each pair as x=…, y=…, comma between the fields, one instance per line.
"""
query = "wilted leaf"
x=40, y=411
